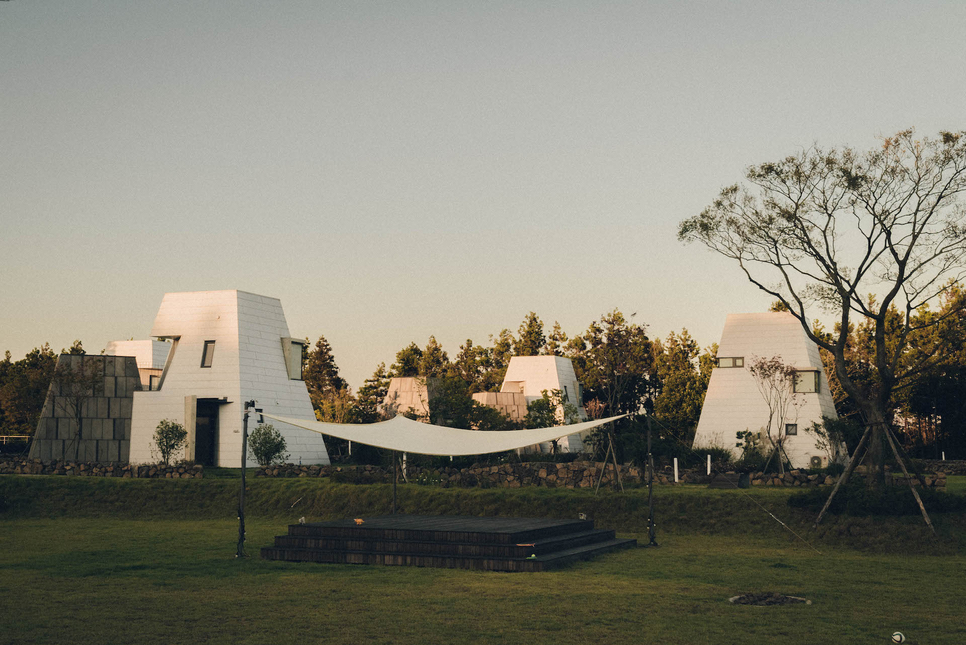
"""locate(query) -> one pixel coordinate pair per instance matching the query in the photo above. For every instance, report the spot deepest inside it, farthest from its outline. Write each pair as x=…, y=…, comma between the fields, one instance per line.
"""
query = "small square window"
x=806, y=382
x=739, y=361
x=791, y=429
x=208, y=354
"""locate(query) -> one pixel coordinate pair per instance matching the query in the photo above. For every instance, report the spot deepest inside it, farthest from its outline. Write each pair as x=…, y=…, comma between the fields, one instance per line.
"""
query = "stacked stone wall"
x=577, y=474
x=95, y=469
x=950, y=467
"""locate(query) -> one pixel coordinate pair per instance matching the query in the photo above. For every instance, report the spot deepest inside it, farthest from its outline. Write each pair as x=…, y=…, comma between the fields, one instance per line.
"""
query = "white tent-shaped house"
x=531, y=375
x=733, y=402
x=226, y=347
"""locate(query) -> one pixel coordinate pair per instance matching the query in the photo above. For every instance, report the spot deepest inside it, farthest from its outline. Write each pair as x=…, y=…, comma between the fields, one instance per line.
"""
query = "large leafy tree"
x=824, y=228
x=614, y=360
x=474, y=364
x=502, y=352
x=452, y=405
x=681, y=374
x=407, y=361
x=23, y=389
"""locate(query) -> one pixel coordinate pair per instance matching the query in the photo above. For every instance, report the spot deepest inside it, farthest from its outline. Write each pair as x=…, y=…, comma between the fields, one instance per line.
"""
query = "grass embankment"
x=129, y=561
x=683, y=510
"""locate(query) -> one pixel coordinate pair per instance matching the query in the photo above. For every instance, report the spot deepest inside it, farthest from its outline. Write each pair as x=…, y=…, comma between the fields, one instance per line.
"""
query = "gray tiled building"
x=87, y=413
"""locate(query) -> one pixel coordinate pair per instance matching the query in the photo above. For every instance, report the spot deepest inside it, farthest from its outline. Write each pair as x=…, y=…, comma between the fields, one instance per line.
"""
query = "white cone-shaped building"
x=733, y=402
x=227, y=347
x=532, y=375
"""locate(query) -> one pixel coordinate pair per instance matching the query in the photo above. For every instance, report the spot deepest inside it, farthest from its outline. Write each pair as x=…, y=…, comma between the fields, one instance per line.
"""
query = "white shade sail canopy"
x=406, y=435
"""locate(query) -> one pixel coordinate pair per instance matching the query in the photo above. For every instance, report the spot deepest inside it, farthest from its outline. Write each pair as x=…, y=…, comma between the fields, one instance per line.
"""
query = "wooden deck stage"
x=482, y=543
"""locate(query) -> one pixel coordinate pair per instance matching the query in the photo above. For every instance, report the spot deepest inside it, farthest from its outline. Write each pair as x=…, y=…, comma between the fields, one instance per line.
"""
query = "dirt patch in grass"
x=768, y=599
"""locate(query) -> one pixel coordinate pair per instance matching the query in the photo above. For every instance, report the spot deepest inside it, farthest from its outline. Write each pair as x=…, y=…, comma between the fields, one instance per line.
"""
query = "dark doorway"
x=206, y=433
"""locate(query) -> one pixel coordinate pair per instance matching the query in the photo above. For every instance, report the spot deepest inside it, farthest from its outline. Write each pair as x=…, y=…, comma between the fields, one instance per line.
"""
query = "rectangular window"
x=208, y=354
x=154, y=382
x=791, y=429
x=292, y=350
x=806, y=381
x=731, y=361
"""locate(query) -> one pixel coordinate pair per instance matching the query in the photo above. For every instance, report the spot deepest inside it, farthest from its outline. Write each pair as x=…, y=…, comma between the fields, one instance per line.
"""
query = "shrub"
x=169, y=437
x=267, y=445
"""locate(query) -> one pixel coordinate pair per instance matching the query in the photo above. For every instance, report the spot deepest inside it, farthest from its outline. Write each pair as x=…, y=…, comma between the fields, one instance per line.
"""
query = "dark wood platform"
x=482, y=543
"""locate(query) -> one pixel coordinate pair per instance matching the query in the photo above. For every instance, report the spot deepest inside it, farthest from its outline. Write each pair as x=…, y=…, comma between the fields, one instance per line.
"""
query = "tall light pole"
x=249, y=405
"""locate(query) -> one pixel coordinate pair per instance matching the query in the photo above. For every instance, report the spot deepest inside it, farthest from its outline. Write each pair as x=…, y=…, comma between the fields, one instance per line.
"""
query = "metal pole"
x=394, y=479
x=241, y=494
x=651, y=533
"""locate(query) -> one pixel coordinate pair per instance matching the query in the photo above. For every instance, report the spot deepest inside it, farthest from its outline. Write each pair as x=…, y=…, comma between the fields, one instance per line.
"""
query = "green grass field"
x=121, y=561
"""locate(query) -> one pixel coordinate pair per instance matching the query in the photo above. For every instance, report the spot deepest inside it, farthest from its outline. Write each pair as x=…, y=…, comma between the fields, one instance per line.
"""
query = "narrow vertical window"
x=208, y=354
x=154, y=383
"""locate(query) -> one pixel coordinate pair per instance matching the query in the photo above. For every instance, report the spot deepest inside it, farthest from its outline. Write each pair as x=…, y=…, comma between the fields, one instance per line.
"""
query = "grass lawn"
x=956, y=484
x=170, y=581
x=100, y=573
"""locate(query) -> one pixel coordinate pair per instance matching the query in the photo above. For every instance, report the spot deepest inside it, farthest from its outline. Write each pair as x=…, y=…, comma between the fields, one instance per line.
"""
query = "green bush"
x=169, y=437
x=267, y=445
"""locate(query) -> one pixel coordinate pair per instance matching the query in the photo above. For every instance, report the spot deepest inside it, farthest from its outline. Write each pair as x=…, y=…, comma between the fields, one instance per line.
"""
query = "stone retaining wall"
x=552, y=475
x=86, y=469
x=950, y=467
x=803, y=478
x=577, y=474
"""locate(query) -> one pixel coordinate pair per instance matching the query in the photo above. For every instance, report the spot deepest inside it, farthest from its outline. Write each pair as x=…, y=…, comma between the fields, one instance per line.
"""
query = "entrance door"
x=206, y=433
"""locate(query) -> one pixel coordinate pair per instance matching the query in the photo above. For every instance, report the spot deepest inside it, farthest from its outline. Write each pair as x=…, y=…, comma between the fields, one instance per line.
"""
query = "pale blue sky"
x=392, y=170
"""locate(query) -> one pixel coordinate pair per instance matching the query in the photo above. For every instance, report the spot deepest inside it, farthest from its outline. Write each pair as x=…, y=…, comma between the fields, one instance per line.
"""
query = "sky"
x=395, y=170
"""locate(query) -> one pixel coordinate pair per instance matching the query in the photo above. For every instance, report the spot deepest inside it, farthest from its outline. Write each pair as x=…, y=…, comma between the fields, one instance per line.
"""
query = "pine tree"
x=531, y=339
x=434, y=360
x=321, y=374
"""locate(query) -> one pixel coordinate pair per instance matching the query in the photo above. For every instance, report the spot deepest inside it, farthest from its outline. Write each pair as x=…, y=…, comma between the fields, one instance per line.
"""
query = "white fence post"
x=675, y=470
x=709, y=464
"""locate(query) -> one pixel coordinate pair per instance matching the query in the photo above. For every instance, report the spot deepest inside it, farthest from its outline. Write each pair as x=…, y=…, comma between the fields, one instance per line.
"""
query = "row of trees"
x=622, y=370
x=24, y=385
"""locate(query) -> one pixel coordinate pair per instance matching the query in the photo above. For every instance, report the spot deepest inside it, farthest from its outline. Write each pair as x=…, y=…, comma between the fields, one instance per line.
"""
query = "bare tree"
x=776, y=383
x=825, y=228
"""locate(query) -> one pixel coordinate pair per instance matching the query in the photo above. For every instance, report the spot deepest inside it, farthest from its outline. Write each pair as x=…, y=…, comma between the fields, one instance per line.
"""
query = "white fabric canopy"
x=406, y=435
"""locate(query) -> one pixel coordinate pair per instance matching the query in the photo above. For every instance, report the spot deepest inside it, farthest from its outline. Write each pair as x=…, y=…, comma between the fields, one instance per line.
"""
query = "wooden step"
x=443, y=548
x=481, y=543
x=480, y=563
